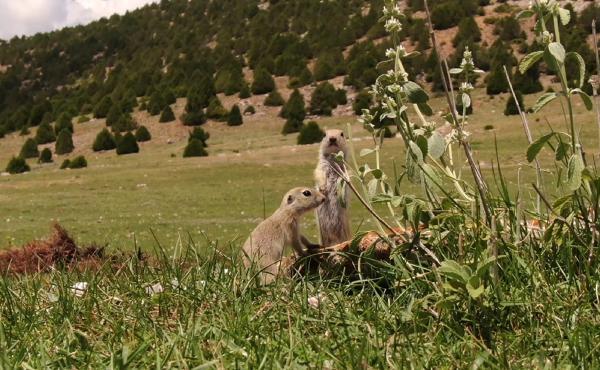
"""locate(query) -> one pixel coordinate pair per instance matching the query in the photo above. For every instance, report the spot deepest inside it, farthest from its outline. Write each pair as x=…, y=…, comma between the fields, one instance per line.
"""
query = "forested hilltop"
x=195, y=49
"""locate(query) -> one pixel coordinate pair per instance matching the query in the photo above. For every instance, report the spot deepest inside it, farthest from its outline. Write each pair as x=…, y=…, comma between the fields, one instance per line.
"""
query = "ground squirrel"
x=264, y=247
x=332, y=216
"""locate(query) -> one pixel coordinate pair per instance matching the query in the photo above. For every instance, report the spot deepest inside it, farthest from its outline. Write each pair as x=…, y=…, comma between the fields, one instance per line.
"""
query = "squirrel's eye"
x=306, y=193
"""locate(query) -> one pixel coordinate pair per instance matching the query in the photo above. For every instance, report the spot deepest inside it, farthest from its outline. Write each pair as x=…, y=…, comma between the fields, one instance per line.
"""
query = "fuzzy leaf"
x=587, y=101
x=535, y=147
x=565, y=16
x=436, y=145
x=527, y=13
x=475, y=287
x=543, y=101
x=425, y=109
x=366, y=152
x=557, y=51
x=453, y=270
x=575, y=169
x=422, y=143
x=456, y=71
x=416, y=151
x=415, y=93
x=529, y=60
x=581, y=66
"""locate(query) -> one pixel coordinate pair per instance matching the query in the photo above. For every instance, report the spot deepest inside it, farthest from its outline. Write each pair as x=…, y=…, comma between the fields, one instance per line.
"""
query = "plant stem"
x=595, y=83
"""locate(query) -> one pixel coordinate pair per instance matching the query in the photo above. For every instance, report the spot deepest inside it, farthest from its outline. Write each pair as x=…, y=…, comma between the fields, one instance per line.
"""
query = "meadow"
x=122, y=200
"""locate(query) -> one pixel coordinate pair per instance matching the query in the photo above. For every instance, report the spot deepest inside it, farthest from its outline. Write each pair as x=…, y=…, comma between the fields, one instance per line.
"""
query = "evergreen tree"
x=156, y=103
x=194, y=148
x=64, y=122
x=216, y=110
x=310, y=133
x=104, y=141
x=511, y=106
x=167, y=115
x=245, y=91
x=45, y=156
x=529, y=83
x=194, y=118
x=199, y=134
x=468, y=31
x=29, y=149
x=45, y=134
x=294, y=108
x=235, y=116
x=113, y=115
x=66, y=163
x=263, y=82
x=362, y=101
x=292, y=125
x=142, y=134
x=323, y=99
x=64, y=142
x=127, y=144
x=101, y=109
x=17, y=165
x=250, y=110
x=124, y=123
x=78, y=162
x=274, y=99
x=341, y=97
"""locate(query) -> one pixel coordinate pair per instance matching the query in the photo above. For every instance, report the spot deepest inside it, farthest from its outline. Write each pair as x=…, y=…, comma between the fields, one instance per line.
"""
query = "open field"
x=117, y=200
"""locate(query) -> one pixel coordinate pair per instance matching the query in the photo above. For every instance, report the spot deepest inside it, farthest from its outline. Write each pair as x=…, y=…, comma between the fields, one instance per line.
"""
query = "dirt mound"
x=58, y=251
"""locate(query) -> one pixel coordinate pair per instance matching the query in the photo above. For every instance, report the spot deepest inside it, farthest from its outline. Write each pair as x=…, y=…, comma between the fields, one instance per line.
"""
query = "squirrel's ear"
x=290, y=199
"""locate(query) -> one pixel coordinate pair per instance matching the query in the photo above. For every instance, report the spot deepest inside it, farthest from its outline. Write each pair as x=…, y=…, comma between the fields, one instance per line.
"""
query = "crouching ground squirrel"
x=332, y=216
x=264, y=247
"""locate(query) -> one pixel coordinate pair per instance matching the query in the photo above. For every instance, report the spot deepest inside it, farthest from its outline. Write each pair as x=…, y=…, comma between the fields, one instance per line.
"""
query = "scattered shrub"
x=64, y=122
x=45, y=156
x=341, y=97
x=142, y=134
x=216, y=110
x=291, y=125
x=193, y=118
x=323, y=99
x=78, y=162
x=199, y=134
x=294, y=108
x=274, y=99
x=263, y=82
x=66, y=163
x=166, y=115
x=101, y=109
x=83, y=119
x=29, y=149
x=113, y=115
x=17, y=165
x=24, y=131
x=235, y=116
x=245, y=91
x=64, y=142
x=310, y=133
x=194, y=148
x=468, y=31
x=127, y=144
x=362, y=101
x=124, y=123
x=45, y=134
x=104, y=141
x=250, y=110
x=488, y=127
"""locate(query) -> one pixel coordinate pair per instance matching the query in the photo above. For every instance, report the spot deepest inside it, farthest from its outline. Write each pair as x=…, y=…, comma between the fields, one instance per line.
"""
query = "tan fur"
x=332, y=217
x=264, y=248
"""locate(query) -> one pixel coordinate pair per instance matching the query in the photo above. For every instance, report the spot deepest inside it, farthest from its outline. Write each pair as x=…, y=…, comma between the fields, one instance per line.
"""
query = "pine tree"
x=45, y=134
x=167, y=115
x=156, y=103
x=29, y=149
x=194, y=118
x=127, y=144
x=292, y=125
x=78, y=162
x=310, y=133
x=64, y=122
x=104, y=141
x=66, y=163
x=17, y=165
x=245, y=91
x=235, y=116
x=194, y=148
x=64, y=143
x=362, y=101
x=468, y=31
x=274, y=99
x=101, y=109
x=511, y=106
x=142, y=134
x=216, y=110
x=45, y=156
x=294, y=108
x=124, y=123
x=323, y=99
x=113, y=115
x=529, y=83
x=263, y=82
x=199, y=134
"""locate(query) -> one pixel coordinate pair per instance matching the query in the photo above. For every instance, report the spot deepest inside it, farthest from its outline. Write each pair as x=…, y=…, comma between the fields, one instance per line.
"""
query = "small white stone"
x=79, y=289
x=155, y=289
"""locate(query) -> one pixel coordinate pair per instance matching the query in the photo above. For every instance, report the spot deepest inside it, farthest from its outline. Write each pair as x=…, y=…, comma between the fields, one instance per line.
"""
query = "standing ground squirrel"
x=332, y=216
x=264, y=247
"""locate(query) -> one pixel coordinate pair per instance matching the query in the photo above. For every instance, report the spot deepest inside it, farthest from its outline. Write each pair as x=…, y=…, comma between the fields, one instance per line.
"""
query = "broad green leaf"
x=466, y=101
x=455, y=71
x=425, y=109
x=581, y=66
x=562, y=150
x=475, y=287
x=484, y=265
x=587, y=101
x=415, y=93
x=372, y=187
x=422, y=143
x=536, y=146
x=529, y=60
x=543, y=101
x=453, y=270
x=341, y=191
x=575, y=169
x=431, y=175
x=436, y=145
x=557, y=51
x=565, y=16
